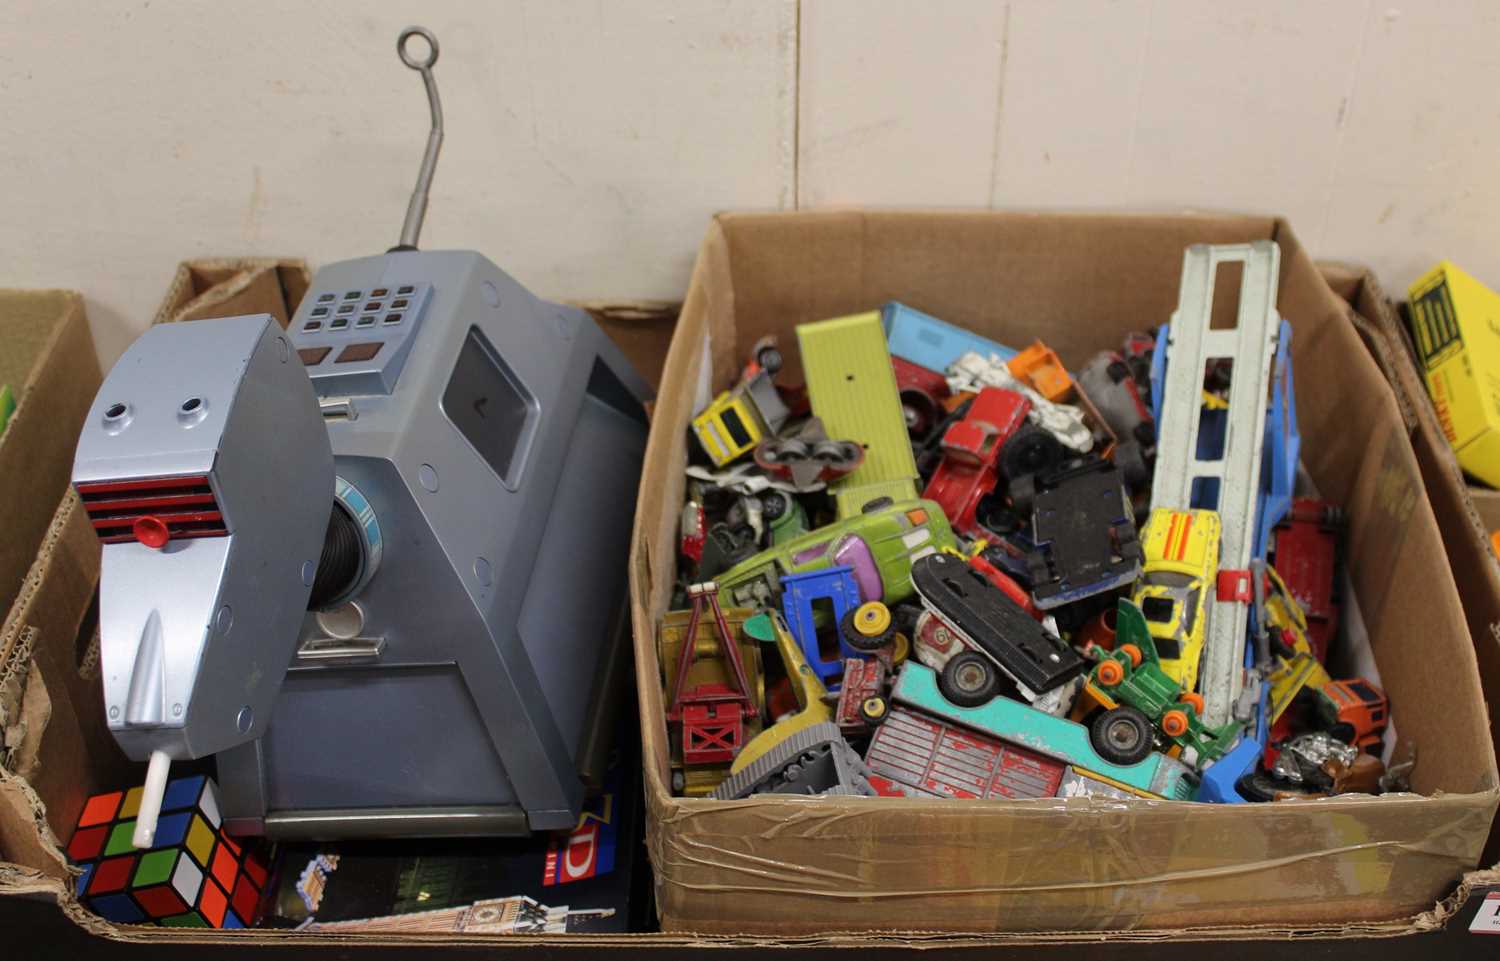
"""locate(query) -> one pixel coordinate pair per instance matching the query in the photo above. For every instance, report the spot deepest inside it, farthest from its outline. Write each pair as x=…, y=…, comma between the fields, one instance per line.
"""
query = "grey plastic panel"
x=326, y=748
x=332, y=324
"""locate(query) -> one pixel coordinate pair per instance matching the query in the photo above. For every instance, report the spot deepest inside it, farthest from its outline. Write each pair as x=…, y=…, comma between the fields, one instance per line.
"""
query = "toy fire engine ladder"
x=712, y=716
x=1229, y=480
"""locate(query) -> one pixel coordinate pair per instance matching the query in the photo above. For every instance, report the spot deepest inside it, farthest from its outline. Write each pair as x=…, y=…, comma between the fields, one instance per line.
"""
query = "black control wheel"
x=969, y=680
x=1122, y=735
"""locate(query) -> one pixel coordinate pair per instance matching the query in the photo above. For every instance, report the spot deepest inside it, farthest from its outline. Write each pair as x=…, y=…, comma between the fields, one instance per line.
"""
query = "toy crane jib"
x=712, y=715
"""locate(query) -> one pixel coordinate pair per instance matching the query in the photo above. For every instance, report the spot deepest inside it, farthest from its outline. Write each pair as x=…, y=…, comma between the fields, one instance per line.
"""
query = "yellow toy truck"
x=1176, y=585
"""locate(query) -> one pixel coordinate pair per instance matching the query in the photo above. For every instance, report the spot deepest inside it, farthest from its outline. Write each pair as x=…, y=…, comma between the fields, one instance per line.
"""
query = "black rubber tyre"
x=920, y=412
x=1023, y=496
x=770, y=359
x=1030, y=450
x=969, y=679
x=862, y=642
x=1263, y=786
x=1037, y=569
x=1122, y=736
x=1132, y=464
x=874, y=710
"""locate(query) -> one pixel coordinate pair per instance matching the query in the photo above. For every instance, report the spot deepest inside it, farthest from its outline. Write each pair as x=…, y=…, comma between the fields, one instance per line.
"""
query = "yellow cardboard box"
x=1456, y=325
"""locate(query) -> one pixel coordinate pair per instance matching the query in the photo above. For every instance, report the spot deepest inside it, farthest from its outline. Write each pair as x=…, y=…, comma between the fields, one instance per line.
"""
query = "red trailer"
x=1306, y=557
x=920, y=756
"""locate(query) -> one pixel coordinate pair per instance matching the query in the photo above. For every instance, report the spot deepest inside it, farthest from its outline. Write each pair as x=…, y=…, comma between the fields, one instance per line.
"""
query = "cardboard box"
x=47, y=359
x=790, y=866
x=1456, y=329
x=1465, y=515
x=231, y=286
x=48, y=366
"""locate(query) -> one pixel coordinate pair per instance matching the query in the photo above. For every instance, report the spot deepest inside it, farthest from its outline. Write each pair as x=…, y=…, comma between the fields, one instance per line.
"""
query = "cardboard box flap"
x=49, y=362
x=1464, y=532
x=229, y=286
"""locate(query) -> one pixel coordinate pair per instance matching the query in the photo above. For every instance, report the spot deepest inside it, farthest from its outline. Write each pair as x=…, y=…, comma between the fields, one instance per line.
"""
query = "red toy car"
x=972, y=452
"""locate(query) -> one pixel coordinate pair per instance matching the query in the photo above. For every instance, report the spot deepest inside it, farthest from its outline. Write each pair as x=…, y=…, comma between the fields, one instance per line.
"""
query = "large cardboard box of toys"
x=781, y=865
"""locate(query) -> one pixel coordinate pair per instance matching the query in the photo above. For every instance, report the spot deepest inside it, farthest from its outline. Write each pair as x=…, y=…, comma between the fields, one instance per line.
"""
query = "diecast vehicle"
x=1306, y=552
x=1296, y=665
x=1107, y=381
x=879, y=544
x=806, y=687
x=1139, y=698
x=932, y=343
x=1354, y=711
x=1084, y=530
x=862, y=705
x=1058, y=738
x=1039, y=368
x=922, y=394
x=1000, y=637
x=973, y=451
x=1177, y=582
x=852, y=389
x=737, y=420
x=713, y=685
x=914, y=754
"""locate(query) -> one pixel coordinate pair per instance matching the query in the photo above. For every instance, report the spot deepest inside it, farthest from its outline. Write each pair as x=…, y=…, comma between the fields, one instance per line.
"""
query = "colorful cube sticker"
x=194, y=875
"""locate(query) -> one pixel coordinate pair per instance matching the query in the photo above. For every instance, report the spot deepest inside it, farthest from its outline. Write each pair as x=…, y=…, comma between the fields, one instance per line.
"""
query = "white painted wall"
x=588, y=142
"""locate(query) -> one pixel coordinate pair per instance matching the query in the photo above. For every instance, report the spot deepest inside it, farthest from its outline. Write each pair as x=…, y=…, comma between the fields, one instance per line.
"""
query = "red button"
x=151, y=531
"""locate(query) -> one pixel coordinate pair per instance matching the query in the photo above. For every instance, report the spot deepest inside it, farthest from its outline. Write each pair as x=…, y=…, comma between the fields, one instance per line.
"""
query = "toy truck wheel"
x=770, y=359
x=1122, y=735
x=874, y=710
x=1132, y=652
x=1110, y=673
x=1193, y=700
x=1023, y=494
x=1174, y=723
x=1132, y=464
x=900, y=649
x=867, y=628
x=920, y=412
x=1030, y=450
x=969, y=680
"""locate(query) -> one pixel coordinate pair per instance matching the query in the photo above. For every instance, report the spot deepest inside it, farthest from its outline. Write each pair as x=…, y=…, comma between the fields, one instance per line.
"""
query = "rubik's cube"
x=194, y=876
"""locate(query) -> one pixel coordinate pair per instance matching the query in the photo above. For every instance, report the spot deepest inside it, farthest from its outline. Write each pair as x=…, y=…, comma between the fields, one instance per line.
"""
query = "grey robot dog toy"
x=375, y=562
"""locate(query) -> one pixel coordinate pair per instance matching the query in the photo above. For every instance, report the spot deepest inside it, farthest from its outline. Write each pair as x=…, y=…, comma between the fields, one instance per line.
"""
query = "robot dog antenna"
x=416, y=210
